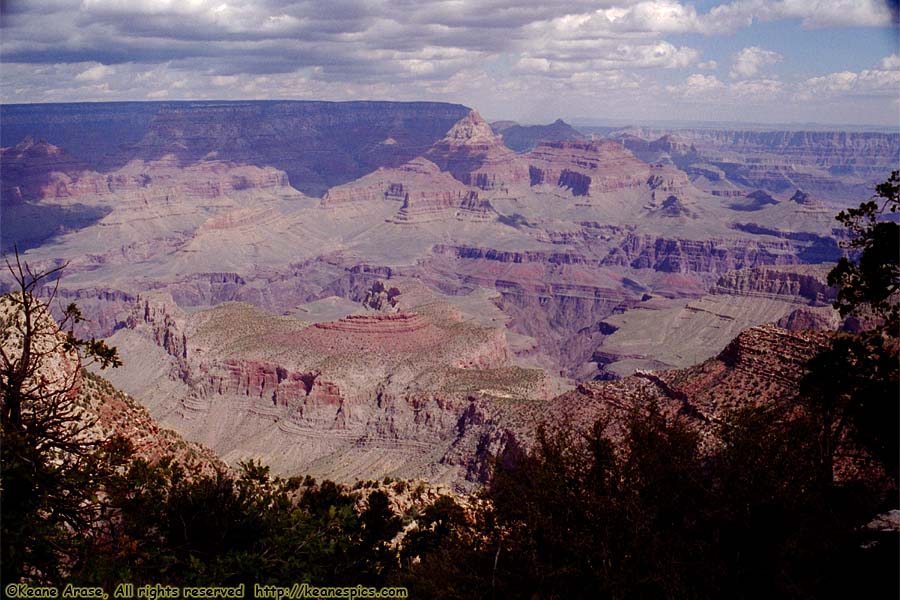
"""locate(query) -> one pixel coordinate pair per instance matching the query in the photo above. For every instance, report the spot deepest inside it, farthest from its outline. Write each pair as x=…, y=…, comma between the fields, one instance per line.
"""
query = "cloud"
x=749, y=61
x=502, y=52
x=884, y=80
x=697, y=86
x=710, y=89
x=811, y=13
x=95, y=73
x=837, y=13
x=890, y=63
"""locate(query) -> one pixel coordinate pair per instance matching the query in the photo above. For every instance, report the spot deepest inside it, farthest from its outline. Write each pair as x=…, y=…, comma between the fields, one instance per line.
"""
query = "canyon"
x=373, y=289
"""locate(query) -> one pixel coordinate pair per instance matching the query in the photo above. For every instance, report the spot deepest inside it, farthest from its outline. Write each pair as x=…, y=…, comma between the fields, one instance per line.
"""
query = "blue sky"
x=763, y=61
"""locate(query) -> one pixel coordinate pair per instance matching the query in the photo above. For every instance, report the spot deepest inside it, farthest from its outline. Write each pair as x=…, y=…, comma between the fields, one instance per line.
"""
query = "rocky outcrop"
x=673, y=206
x=810, y=247
x=802, y=284
x=667, y=180
x=33, y=170
x=585, y=167
x=476, y=156
x=704, y=256
x=118, y=413
x=39, y=171
x=753, y=201
x=503, y=256
x=95, y=411
x=810, y=319
x=650, y=150
x=763, y=365
x=754, y=352
x=424, y=193
x=330, y=395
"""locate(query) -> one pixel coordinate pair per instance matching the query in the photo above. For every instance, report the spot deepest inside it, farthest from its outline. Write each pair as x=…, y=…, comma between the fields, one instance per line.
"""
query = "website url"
x=304, y=590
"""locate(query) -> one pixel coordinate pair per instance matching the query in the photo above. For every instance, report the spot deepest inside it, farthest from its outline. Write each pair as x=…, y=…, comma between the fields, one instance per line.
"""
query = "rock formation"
x=586, y=168
x=349, y=138
x=476, y=156
x=525, y=138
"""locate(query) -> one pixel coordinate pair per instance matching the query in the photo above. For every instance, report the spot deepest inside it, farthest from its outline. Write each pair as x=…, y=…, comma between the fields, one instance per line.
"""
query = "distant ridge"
x=348, y=137
x=523, y=138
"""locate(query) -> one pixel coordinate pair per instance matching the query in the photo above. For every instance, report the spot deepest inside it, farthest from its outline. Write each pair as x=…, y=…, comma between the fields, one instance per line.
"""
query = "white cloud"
x=749, y=61
x=881, y=81
x=658, y=16
x=836, y=13
x=697, y=86
x=502, y=53
x=95, y=73
x=890, y=63
x=757, y=90
x=711, y=90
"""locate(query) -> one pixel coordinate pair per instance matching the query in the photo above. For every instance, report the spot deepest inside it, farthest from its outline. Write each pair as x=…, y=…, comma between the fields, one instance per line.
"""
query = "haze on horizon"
x=762, y=61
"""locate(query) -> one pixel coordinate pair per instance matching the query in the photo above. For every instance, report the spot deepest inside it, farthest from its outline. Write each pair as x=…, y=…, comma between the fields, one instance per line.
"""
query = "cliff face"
x=837, y=164
x=586, y=167
x=837, y=151
x=762, y=365
x=37, y=171
x=62, y=386
x=705, y=256
x=778, y=283
x=324, y=397
x=476, y=156
x=423, y=192
x=350, y=138
x=27, y=169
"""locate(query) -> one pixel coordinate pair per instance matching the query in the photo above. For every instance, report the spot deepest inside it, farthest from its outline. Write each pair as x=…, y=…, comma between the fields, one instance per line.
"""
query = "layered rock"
x=60, y=387
x=312, y=397
x=762, y=365
x=706, y=256
x=756, y=200
x=33, y=170
x=585, y=167
x=39, y=171
x=474, y=155
x=667, y=180
x=425, y=194
x=835, y=163
x=808, y=318
x=801, y=284
x=650, y=150
x=350, y=139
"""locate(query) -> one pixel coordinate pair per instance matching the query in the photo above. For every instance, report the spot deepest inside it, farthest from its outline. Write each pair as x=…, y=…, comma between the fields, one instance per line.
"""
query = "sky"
x=761, y=61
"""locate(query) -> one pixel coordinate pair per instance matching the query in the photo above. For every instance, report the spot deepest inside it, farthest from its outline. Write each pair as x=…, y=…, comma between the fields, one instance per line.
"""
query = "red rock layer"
x=586, y=167
x=381, y=333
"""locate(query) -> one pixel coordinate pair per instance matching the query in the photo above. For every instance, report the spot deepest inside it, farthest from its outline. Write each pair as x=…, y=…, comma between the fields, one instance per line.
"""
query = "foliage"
x=53, y=468
x=871, y=281
x=583, y=516
x=218, y=530
x=852, y=386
